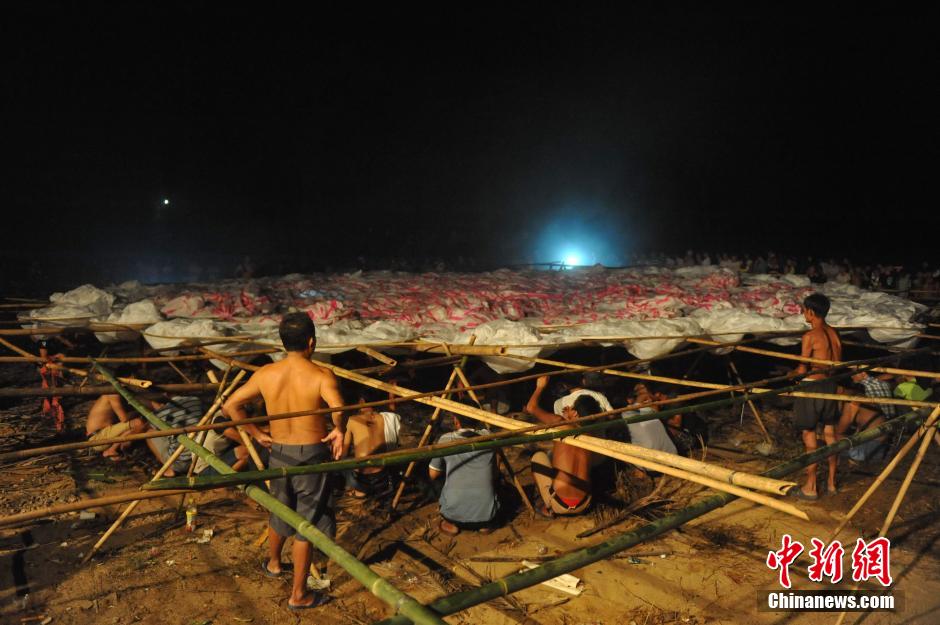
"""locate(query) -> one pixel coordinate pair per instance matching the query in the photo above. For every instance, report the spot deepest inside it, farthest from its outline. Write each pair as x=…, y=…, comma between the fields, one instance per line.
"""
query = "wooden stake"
x=751, y=405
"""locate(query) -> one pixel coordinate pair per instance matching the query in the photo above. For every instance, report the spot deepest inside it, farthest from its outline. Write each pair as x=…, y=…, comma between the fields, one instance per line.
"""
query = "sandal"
x=798, y=493
x=286, y=567
x=318, y=600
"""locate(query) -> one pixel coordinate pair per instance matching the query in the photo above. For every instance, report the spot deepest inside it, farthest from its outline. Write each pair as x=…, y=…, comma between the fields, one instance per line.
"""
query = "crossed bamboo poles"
x=725, y=388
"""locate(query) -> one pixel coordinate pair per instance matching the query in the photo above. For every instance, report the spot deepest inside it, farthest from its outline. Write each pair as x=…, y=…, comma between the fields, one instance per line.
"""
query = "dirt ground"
x=154, y=572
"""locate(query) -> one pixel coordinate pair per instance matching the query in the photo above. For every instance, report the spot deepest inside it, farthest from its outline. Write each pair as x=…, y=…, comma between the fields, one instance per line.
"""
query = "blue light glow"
x=579, y=236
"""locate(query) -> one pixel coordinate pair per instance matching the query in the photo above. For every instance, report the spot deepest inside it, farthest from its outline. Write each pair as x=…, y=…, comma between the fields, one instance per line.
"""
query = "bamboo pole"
x=572, y=561
x=753, y=388
x=64, y=391
x=377, y=355
x=750, y=404
x=79, y=372
x=132, y=359
x=400, y=602
x=85, y=504
x=159, y=474
x=818, y=361
x=898, y=457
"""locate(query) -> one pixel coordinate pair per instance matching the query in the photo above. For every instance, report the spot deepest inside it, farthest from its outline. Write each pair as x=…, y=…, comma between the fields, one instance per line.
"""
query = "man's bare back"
x=294, y=384
x=574, y=467
x=821, y=343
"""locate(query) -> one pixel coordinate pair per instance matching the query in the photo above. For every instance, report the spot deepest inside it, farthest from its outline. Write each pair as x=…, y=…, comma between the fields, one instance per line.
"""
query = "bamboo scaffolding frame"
x=752, y=386
x=886, y=472
x=397, y=600
x=572, y=561
x=818, y=361
x=610, y=448
x=428, y=430
x=655, y=460
x=26, y=453
x=528, y=434
x=51, y=364
x=166, y=465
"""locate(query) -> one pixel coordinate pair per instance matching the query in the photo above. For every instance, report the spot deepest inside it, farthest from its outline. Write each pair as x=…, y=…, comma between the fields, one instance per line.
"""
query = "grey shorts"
x=311, y=496
x=162, y=445
x=809, y=412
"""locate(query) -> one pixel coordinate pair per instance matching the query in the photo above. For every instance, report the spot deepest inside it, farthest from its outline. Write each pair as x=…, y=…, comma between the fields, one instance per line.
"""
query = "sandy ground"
x=153, y=572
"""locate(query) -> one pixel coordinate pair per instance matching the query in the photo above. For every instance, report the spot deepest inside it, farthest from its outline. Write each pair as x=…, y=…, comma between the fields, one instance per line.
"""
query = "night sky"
x=473, y=131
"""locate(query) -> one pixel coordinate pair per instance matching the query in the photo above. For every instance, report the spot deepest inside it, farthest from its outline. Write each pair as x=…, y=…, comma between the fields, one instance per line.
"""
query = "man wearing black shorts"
x=820, y=343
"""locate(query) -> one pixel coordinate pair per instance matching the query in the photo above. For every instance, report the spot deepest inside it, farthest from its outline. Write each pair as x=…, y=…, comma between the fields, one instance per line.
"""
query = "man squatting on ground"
x=822, y=343
x=563, y=479
x=296, y=384
x=468, y=498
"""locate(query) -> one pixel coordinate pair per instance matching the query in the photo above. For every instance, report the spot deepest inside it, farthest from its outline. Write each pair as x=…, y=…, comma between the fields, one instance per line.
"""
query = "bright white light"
x=572, y=260
x=166, y=202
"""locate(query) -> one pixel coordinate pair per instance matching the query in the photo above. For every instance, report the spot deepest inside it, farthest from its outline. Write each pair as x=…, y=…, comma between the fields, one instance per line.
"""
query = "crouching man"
x=562, y=477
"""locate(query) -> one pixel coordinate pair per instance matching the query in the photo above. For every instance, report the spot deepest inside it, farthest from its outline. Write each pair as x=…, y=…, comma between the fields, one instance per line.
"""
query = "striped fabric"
x=180, y=411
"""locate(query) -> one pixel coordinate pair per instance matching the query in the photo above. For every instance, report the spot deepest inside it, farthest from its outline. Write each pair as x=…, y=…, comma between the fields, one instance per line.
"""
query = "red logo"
x=869, y=560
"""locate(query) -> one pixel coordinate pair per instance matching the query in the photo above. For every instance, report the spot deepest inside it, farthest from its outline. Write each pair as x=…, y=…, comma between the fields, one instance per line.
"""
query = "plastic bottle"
x=191, y=516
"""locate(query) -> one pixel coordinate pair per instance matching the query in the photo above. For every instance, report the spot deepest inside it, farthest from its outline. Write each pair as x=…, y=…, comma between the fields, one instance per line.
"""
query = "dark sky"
x=469, y=131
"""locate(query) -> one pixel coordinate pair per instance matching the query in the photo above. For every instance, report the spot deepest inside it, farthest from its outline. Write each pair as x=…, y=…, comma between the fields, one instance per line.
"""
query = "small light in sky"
x=166, y=202
x=572, y=260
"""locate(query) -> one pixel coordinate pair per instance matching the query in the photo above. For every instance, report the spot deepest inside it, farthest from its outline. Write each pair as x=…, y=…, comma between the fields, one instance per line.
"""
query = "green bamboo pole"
x=514, y=437
x=399, y=601
x=578, y=559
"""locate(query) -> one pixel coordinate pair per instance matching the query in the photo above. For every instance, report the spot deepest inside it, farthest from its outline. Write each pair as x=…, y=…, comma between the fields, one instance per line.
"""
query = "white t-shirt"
x=650, y=434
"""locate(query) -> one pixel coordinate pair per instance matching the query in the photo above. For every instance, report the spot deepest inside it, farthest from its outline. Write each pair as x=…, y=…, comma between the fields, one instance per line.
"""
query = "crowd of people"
x=903, y=278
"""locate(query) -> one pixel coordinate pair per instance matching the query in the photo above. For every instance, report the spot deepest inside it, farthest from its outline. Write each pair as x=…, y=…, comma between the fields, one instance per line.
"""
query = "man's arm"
x=533, y=408
x=329, y=391
x=234, y=408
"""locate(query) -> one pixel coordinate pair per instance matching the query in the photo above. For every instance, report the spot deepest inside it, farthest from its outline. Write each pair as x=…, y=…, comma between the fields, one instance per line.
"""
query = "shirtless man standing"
x=564, y=479
x=291, y=385
x=821, y=342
